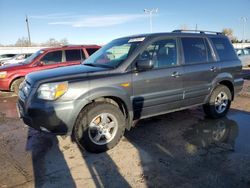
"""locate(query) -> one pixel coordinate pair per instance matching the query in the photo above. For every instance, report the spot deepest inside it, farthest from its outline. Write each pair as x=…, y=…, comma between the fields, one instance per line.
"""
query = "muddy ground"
x=181, y=149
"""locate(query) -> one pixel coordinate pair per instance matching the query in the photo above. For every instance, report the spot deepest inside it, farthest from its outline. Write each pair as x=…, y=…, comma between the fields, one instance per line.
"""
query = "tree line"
x=24, y=42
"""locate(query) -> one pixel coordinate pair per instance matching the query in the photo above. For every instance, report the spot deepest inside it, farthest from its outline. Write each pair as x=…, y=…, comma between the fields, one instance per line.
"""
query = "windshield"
x=32, y=57
x=114, y=53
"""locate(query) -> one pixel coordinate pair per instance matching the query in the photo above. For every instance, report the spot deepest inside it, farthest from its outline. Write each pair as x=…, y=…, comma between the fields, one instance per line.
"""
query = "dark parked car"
x=11, y=76
x=132, y=78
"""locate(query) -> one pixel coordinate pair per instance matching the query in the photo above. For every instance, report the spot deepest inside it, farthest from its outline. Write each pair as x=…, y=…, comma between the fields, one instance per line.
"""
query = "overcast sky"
x=99, y=21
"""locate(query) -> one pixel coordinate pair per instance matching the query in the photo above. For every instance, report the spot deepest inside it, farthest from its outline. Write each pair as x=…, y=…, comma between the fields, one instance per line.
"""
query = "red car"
x=11, y=76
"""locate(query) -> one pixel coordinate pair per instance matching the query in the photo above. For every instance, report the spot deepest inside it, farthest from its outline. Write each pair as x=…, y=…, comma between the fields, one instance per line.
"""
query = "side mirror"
x=40, y=63
x=146, y=64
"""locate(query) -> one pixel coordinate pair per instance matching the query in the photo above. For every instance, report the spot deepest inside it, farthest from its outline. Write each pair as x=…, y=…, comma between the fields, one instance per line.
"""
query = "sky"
x=99, y=21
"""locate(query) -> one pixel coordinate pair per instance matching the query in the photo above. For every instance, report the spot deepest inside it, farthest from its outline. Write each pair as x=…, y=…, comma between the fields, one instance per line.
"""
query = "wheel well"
x=229, y=85
x=115, y=101
x=13, y=81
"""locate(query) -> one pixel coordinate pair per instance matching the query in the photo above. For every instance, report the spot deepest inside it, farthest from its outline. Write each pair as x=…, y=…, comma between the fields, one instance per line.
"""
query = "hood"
x=12, y=66
x=62, y=73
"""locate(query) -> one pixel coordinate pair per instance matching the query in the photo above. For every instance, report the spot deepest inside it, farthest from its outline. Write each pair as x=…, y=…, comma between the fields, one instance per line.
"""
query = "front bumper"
x=50, y=116
x=4, y=84
x=238, y=85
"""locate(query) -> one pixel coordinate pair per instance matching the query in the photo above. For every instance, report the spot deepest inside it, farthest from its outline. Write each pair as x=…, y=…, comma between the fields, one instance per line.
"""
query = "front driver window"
x=163, y=53
x=52, y=57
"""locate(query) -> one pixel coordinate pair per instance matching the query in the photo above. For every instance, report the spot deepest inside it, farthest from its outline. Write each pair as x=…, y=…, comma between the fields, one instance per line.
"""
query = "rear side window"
x=224, y=49
x=73, y=55
x=52, y=57
x=91, y=50
x=195, y=50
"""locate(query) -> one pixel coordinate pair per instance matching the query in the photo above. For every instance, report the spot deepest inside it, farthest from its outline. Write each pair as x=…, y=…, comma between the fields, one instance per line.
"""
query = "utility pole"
x=150, y=12
x=244, y=20
x=28, y=29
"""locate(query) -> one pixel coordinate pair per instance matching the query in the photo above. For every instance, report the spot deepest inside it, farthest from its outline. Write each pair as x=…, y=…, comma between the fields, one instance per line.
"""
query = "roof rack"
x=197, y=31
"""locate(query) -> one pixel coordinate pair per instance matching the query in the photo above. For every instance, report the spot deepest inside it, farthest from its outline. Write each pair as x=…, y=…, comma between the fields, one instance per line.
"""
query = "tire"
x=99, y=127
x=219, y=102
x=15, y=85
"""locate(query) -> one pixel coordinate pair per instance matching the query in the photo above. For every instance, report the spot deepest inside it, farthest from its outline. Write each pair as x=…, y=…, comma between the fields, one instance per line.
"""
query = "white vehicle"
x=17, y=59
x=4, y=57
x=245, y=60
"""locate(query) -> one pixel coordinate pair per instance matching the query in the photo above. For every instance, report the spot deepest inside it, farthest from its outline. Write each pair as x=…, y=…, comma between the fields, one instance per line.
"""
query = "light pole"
x=244, y=20
x=150, y=12
x=28, y=29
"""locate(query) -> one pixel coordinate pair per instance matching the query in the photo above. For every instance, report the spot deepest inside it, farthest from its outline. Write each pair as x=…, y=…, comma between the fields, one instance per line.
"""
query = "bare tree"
x=64, y=41
x=184, y=27
x=229, y=33
x=53, y=42
x=24, y=42
x=21, y=42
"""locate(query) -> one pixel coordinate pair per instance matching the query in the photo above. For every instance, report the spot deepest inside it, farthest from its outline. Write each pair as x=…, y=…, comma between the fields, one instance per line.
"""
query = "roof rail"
x=198, y=31
x=78, y=45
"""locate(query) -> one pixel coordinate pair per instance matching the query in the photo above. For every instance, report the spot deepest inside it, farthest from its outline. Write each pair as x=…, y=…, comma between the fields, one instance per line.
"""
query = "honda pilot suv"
x=11, y=76
x=132, y=78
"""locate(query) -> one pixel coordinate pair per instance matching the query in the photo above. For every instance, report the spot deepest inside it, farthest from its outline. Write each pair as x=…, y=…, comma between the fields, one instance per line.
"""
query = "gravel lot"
x=182, y=149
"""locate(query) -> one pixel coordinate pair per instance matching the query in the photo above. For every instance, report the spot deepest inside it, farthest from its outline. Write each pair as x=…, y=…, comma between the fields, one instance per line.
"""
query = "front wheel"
x=99, y=127
x=15, y=85
x=219, y=102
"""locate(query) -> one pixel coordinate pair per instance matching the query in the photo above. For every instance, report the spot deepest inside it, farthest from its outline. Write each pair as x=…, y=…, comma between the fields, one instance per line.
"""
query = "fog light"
x=44, y=129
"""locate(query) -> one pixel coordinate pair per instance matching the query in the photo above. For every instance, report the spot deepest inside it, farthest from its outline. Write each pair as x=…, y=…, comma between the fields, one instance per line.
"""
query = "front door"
x=159, y=89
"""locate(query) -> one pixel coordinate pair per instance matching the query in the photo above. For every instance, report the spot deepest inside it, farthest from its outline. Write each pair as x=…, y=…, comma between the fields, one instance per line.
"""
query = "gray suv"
x=132, y=78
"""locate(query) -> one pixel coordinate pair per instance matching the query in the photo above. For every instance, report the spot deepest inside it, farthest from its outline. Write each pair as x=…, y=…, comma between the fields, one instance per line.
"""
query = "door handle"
x=176, y=74
x=213, y=69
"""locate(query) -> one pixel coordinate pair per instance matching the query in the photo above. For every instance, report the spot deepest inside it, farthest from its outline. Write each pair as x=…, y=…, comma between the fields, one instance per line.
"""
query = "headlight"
x=52, y=91
x=3, y=74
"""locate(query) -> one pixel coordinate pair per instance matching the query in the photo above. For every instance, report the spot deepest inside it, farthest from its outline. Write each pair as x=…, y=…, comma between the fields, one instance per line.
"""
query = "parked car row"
x=128, y=79
x=19, y=58
x=4, y=57
x=12, y=75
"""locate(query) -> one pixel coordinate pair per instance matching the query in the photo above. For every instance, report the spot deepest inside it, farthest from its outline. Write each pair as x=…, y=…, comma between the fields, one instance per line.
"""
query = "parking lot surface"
x=181, y=149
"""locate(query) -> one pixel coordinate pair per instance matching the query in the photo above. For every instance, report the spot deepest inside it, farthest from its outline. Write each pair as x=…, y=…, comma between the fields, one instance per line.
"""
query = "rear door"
x=160, y=89
x=200, y=69
x=72, y=57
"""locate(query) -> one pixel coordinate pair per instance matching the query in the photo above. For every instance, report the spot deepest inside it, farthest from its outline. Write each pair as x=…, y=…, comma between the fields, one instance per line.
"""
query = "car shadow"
x=103, y=170
x=179, y=150
x=49, y=165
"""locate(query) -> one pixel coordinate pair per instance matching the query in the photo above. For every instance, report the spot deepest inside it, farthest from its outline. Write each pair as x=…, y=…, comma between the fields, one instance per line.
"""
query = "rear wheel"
x=15, y=85
x=99, y=127
x=219, y=102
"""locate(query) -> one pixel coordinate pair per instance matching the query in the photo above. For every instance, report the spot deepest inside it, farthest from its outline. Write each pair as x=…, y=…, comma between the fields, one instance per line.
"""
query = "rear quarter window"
x=224, y=49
